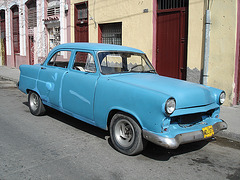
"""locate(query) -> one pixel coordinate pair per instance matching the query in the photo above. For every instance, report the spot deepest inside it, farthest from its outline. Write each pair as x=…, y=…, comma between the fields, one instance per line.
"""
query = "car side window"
x=60, y=59
x=84, y=62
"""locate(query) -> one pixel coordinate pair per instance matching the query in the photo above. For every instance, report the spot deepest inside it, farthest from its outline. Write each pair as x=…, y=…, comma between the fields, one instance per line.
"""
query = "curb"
x=229, y=135
x=9, y=79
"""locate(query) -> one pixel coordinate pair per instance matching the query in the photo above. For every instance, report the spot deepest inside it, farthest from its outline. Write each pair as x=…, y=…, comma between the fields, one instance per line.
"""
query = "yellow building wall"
x=137, y=27
x=195, y=34
x=222, y=50
x=223, y=46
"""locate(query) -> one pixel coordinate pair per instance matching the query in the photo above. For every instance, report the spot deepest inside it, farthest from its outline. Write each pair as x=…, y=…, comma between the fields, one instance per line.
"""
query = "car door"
x=78, y=86
x=50, y=77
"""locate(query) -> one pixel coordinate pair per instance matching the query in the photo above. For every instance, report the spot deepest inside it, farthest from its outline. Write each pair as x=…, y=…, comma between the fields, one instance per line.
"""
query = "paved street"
x=56, y=146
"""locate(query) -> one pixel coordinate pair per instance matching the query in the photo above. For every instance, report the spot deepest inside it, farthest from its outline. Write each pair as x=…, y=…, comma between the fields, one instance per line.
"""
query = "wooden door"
x=172, y=42
x=16, y=29
x=81, y=33
x=81, y=22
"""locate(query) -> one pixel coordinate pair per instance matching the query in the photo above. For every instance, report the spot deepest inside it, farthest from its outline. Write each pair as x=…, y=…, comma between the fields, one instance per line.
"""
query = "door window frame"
x=73, y=55
x=73, y=61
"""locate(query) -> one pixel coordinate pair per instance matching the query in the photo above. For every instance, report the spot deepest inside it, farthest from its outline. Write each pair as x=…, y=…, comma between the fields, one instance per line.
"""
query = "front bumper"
x=173, y=143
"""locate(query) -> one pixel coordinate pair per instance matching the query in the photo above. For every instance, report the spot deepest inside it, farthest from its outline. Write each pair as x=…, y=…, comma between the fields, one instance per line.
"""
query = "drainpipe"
x=206, y=47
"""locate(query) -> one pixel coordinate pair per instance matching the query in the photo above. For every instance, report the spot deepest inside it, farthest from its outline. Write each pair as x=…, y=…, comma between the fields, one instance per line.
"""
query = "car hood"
x=186, y=94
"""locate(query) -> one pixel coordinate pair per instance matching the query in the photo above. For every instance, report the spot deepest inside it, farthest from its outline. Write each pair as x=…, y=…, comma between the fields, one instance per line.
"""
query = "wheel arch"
x=35, y=103
x=28, y=91
x=124, y=112
x=32, y=90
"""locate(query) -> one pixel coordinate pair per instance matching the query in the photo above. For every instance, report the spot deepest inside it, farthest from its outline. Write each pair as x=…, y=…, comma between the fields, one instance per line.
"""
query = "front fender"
x=215, y=93
x=145, y=105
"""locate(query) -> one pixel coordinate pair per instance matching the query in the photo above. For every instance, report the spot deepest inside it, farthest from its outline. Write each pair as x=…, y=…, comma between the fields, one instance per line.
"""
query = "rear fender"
x=28, y=78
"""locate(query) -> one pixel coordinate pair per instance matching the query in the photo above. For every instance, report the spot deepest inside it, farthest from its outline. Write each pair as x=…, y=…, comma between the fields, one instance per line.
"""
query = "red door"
x=81, y=33
x=81, y=22
x=172, y=42
x=16, y=29
x=15, y=21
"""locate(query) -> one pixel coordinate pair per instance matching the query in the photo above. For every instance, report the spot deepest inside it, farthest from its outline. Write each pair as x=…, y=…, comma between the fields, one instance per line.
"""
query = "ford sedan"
x=117, y=89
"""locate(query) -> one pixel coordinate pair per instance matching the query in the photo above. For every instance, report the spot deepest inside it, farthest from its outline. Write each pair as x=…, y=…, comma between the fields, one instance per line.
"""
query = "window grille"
x=82, y=11
x=171, y=4
x=111, y=33
x=32, y=15
x=52, y=11
x=82, y=14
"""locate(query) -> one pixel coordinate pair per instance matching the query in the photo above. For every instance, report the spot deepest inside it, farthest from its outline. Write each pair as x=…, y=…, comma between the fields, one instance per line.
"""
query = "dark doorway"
x=81, y=22
x=172, y=38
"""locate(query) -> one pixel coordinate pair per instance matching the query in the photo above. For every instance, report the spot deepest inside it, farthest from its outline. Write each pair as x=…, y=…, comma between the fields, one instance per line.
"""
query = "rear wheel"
x=126, y=134
x=35, y=104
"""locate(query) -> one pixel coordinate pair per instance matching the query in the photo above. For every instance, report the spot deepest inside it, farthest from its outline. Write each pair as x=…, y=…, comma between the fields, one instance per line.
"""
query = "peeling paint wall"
x=195, y=40
x=223, y=46
x=223, y=31
x=194, y=75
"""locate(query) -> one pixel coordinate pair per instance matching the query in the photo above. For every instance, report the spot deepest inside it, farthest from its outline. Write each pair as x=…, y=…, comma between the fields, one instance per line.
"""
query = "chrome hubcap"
x=124, y=133
x=34, y=103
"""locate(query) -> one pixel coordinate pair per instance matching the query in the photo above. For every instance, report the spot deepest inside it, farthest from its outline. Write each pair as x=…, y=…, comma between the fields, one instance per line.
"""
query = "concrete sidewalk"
x=230, y=114
x=9, y=73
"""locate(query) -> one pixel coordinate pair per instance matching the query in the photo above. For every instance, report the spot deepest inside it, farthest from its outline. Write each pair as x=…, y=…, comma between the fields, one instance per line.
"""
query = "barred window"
x=53, y=7
x=52, y=11
x=82, y=11
x=32, y=14
x=111, y=33
x=171, y=4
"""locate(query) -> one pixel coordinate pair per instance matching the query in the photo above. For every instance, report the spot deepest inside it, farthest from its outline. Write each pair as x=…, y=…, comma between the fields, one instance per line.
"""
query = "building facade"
x=193, y=40
x=30, y=29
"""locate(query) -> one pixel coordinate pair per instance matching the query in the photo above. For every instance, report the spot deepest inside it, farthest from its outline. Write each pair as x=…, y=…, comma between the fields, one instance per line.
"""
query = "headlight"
x=170, y=106
x=222, y=97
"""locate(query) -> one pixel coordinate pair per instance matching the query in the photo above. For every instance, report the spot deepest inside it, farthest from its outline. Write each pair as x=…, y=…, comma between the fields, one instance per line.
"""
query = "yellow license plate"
x=208, y=131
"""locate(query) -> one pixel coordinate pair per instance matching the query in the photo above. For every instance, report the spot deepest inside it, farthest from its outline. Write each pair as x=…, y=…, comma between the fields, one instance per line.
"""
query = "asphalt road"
x=57, y=146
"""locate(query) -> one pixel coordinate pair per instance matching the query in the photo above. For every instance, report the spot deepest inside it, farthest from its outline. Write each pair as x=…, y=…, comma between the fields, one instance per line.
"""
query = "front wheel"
x=35, y=104
x=126, y=135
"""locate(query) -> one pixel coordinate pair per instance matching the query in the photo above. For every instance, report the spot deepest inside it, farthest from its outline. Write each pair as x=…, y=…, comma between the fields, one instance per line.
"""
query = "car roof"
x=97, y=47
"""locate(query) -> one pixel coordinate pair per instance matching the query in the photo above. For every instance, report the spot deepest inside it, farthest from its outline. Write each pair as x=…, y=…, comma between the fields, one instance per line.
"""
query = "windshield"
x=124, y=62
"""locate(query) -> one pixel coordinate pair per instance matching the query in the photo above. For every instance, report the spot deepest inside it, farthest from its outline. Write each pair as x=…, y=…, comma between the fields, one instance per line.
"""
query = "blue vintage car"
x=117, y=89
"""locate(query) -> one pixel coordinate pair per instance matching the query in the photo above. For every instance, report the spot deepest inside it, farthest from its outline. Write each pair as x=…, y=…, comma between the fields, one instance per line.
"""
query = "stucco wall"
x=195, y=33
x=195, y=40
x=137, y=27
x=223, y=46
